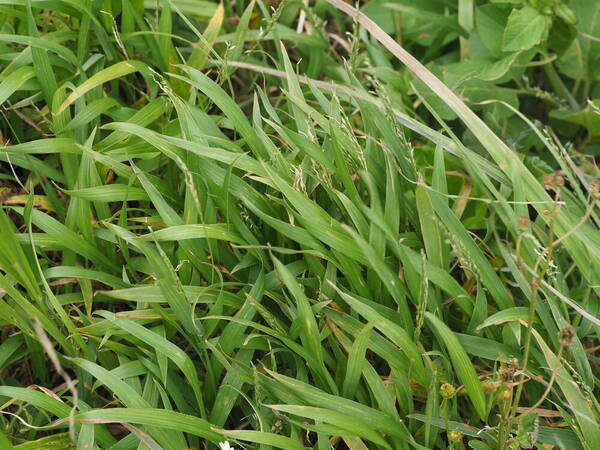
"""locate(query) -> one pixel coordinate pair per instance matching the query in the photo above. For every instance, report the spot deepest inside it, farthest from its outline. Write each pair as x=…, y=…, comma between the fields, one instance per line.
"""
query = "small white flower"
x=225, y=446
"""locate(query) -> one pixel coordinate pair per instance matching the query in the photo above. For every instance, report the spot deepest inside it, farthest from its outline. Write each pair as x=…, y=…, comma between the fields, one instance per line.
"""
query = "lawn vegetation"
x=296, y=224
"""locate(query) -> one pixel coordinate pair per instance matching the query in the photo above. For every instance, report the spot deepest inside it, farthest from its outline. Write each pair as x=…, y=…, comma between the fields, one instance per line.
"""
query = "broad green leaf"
x=582, y=56
x=160, y=418
x=198, y=8
x=578, y=404
x=117, y=70
x=183, y=232
x=461, y=363
x=14, y=81
x=110, y=193
x=373, y=418
x=42, y=44
x=588, y=117
x=515, y=314
x=353, y=426
x=356, y=360
x=490, y=23
x=526, y=27
x=310, y=332
x=129, y=397
x=203, y=47
x=261, y=437
x=392, y=331
x=174, y=353
x=43, y=146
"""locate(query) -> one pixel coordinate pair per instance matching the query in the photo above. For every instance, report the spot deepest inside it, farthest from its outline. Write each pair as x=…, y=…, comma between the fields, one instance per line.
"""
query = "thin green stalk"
x=535, y=285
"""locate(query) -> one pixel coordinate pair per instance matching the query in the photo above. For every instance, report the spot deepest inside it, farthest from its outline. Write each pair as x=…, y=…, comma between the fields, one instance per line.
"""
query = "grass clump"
x=297, y=225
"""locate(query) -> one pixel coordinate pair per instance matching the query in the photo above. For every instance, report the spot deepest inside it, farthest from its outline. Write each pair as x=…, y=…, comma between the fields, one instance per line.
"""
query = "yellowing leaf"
x=117, y=70
x=203, y=46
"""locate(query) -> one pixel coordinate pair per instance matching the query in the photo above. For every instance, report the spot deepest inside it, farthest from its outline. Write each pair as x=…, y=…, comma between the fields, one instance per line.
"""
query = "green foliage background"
x=262, y=223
